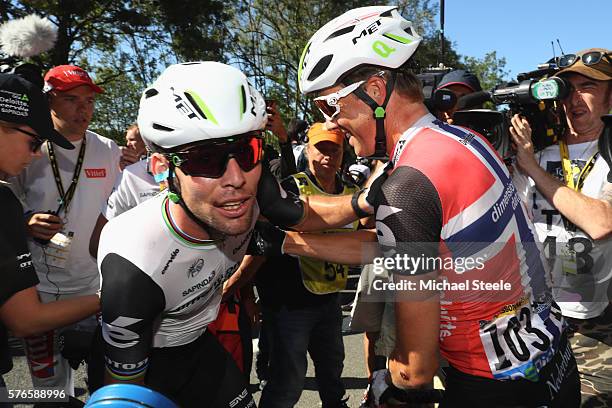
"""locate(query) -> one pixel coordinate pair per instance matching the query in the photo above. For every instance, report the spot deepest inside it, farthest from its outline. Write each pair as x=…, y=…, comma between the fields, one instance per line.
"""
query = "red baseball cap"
x=66, y=77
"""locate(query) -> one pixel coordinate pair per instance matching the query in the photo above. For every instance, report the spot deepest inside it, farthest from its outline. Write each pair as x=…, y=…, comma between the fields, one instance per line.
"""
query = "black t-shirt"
x=279, y=279
x=16, y=270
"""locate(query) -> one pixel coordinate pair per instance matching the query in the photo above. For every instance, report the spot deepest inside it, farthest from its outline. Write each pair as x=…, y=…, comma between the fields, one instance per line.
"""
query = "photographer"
x=565, y=187
x=461, y=83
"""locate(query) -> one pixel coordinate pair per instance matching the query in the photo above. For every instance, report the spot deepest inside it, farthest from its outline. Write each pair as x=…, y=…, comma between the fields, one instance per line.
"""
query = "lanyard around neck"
x=568, y=174
x=66, y=195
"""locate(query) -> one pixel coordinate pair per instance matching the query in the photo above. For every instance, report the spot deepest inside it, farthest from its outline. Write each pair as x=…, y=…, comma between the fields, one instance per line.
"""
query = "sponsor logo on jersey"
x=95, y=173
x=200, y=285
x=469, y=136
x=25, y=260
x=116, y=334
x=399, y=149
x=126, y=368
x=564, y=365
x=172, y=258
x=230, y=271
x=145, y=194
x=243, y=395
x=195, y=268
x=191, y=302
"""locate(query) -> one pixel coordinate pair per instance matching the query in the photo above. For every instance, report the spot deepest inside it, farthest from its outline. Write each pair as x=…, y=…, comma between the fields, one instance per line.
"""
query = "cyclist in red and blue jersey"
x=447, y=195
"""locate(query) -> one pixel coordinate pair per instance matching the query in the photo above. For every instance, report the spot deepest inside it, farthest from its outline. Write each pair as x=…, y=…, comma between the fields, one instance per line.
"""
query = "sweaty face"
x=324, y=158
x=355, y=118
x=15, y=149
x=225, y=203
x=587, y=102
x=72, y=111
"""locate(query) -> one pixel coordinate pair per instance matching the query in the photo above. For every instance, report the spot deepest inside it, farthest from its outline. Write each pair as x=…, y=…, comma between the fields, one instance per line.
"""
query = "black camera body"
x=605, y=143
x=536, y=95
x=436, y=100
x=26, y=70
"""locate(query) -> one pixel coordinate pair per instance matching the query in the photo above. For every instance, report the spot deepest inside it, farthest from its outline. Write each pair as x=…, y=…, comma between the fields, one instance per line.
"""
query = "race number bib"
x=58, y=249
x=519, y=344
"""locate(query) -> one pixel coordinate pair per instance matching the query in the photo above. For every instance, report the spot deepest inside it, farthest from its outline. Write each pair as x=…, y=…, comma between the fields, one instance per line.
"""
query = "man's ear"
x=159, y=163
x=376, y=88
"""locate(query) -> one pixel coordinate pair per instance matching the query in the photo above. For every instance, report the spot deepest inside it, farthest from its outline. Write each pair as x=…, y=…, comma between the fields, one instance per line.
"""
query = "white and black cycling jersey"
x=159, y=287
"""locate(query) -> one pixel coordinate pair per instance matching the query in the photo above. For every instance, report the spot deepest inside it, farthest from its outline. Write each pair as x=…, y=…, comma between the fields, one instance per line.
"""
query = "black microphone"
x=474, y=99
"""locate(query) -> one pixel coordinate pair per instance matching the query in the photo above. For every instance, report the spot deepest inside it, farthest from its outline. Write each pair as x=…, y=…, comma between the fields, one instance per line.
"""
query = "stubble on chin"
x=219, y=228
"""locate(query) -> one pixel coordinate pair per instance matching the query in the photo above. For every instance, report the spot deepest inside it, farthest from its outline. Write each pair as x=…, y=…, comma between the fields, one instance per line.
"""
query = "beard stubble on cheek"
x=201, y=205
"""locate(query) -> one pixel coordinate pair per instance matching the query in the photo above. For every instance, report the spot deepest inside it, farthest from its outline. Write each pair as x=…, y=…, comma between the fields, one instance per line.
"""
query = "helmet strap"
x=175, y=196
x=380, y=113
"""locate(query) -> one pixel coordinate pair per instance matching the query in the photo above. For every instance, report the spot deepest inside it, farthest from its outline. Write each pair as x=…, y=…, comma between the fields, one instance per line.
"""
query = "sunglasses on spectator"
x=36, y=140
x=210, y=159
x=589, y=58
x=328, y=104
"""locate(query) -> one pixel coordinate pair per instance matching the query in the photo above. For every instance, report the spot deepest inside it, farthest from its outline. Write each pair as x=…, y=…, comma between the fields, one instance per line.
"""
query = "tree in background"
x=489, y=69
x=269, y=37
x=125, y=44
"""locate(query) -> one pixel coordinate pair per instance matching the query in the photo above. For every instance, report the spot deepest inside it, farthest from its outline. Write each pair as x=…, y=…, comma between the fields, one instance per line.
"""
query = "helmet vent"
x=387, y=13
x=151, y=92
x=243, y=99
x=409, y=31
x=194, y=104
x=340, y=32
x=163, y=128
x=320, y=67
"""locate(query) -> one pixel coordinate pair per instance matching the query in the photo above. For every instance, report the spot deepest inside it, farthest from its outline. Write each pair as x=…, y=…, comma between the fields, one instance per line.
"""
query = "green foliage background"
x=125, y=44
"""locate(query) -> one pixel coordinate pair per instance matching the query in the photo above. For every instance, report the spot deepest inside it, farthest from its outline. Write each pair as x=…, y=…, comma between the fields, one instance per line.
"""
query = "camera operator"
x=461, y=83
x=565, y=187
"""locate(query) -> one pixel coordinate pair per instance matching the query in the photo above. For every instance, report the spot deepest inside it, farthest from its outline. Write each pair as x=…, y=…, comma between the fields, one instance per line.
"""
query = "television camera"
x=536, y=95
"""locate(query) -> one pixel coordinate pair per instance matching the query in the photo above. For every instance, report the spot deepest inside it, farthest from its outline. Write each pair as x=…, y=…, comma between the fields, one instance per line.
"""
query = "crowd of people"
x=153, y=262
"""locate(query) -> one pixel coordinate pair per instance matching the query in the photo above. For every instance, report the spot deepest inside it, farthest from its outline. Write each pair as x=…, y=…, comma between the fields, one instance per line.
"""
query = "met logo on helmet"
x=369, y=30
x=182, y=107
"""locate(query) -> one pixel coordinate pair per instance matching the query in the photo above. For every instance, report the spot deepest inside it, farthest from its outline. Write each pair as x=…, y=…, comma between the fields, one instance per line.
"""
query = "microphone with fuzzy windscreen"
x=25, y=38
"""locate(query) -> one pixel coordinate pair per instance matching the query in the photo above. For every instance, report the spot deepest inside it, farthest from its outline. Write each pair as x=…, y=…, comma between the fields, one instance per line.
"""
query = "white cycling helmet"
x=198, y=101
x=376, y=35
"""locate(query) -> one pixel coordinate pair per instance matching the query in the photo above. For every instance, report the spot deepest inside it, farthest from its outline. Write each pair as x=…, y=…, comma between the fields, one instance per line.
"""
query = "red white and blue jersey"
x=449, y=187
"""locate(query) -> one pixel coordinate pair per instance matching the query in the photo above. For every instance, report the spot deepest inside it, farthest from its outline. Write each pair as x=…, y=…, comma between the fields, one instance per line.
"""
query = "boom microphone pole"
x=442, y=30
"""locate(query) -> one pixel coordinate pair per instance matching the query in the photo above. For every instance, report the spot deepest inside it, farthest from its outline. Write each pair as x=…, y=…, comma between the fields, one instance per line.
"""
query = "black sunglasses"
x=36, y=141
x=589, y=58
x=210, y=159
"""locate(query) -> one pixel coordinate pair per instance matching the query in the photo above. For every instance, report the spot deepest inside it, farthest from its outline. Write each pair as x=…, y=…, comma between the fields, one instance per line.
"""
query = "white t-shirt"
x=133, y=186
x=36, y=187
x=580, y=290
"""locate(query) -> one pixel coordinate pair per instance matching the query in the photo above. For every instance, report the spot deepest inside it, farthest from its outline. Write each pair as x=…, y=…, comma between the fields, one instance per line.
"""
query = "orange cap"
x=318, y=133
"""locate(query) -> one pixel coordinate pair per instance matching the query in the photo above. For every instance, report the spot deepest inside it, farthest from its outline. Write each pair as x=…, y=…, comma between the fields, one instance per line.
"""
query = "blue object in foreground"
x=128, y=396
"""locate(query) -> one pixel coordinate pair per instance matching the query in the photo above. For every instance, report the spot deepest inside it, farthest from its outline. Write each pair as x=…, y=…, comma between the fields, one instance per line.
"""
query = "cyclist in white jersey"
x=164, y=262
